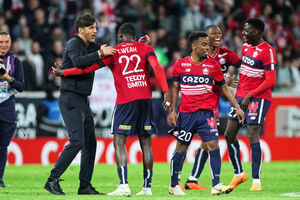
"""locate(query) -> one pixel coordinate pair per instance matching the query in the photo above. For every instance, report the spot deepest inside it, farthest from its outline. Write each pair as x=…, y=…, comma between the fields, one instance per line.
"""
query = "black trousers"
x=79, y=122
x=7, y=131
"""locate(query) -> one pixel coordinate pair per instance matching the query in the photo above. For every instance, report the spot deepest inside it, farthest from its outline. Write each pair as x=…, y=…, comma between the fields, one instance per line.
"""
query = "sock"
x=147, y=178
x=122, y=172
x=256, y=181
x=180, y=170
x=215, y=166
x=200, y=160
x=256, y=157
x=235, y=157
x=176, y=166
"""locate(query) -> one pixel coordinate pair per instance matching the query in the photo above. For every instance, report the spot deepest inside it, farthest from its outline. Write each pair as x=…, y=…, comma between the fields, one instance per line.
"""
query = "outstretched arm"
x=73, y=71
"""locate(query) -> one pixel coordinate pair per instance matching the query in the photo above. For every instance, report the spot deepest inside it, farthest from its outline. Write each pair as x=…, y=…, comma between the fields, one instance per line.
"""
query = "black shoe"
x=54, y=187
x=90, y=190
x=2, y=185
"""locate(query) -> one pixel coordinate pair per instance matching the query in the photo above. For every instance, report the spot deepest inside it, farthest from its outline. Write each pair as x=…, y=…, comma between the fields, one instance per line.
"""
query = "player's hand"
x=172, y=118
x=145, y=39
x=232, y=81
x=57, y=70
x=167, y=101
x=245, y=102
x=107, y=50
x=240, y=115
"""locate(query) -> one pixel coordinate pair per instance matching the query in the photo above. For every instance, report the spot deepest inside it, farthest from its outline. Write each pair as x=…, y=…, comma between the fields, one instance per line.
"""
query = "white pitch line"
x=292, y=194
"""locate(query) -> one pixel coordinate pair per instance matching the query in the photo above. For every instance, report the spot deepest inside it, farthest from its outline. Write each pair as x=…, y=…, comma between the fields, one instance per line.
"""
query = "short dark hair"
x=256, y=23
x=210, y=26
x=83, y=21
x=4, y=33
x=127, y=29
x=195, y=35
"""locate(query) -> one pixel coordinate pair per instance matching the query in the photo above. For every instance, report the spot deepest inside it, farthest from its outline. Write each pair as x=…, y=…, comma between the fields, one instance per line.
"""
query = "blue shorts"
x=255, y=113
x=134, y=118
x=201, y=121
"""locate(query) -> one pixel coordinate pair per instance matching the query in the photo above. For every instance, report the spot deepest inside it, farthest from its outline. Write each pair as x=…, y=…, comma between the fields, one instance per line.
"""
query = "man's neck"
x=257, y=41
x=212, y=50
x=196, y=59
x=83, y=38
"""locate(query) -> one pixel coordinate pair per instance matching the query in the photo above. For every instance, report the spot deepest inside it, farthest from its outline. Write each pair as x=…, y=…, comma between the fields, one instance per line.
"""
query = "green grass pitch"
x=26, y=182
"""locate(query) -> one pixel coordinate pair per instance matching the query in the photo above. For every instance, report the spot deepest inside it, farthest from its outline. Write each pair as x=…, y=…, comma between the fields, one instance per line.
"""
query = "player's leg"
x=200, y=160
x=177, y=162
x=123, y=124
x=233, y=146
x=121, y=159
x=256, y=155
x=208, y=131
x=145, y=143
x=183, y=132
x=255, y=115
x=215, y=168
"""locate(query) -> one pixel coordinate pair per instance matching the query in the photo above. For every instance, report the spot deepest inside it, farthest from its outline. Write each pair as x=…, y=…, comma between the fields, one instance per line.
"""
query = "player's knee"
x=229, y=137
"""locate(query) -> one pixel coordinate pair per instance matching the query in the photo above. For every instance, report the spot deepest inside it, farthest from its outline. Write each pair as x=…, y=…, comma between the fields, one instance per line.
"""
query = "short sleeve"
x=176, y=71
x=218, y=75
x=234, y=59
x=269, y=59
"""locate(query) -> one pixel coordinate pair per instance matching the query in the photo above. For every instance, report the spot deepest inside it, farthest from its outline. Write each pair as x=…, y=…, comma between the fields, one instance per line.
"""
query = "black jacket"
x=78, y=54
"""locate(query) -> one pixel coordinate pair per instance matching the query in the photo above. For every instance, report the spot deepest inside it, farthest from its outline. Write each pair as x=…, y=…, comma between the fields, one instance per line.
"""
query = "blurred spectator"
x=40, y=29
x=25, y=42
x=295, y=67
x=17, y=28
x=106, y=31
x=191, y=18
x=285, y=79
x=210, y=16
x=56, y=51
x=36, y=60
x=29, y=73
x=130, y=11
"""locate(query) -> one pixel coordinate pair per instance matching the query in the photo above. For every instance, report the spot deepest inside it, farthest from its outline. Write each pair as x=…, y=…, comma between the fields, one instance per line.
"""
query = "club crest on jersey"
x=222, y=61
x=205, y=71
x=246, y=49
x=255, y=54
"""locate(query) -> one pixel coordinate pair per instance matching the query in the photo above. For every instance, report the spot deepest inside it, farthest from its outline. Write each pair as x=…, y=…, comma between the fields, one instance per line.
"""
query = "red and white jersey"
x=130, y=69
x=255, y=61
x=196, y=83
x=226, y=57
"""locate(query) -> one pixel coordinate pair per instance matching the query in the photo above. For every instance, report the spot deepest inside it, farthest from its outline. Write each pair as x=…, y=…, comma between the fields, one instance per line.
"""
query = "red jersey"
x=255, y=62
x=196, y=83
x=130, y=69
x=225, y=57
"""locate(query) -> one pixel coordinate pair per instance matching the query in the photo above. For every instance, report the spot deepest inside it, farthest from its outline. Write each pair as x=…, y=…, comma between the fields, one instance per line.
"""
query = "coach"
x=80, y=51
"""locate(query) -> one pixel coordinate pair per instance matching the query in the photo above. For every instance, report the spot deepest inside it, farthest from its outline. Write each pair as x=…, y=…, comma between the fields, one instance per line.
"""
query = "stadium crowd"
x=40, y=28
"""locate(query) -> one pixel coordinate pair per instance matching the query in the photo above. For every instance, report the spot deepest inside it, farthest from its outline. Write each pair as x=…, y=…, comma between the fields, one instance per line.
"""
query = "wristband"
x=101, y=52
